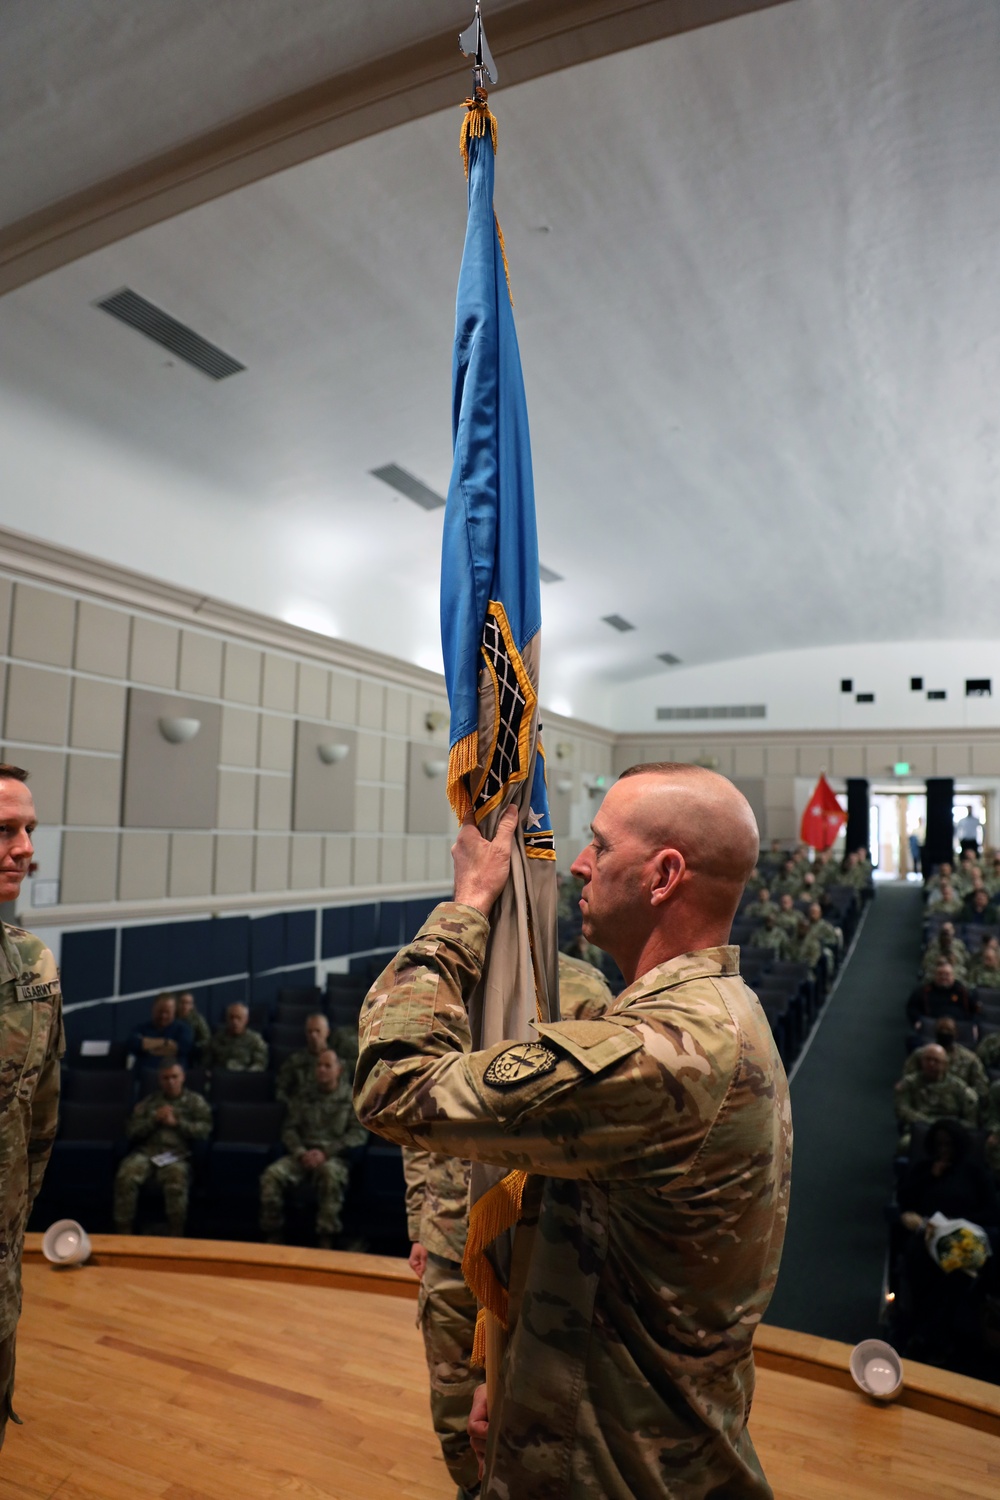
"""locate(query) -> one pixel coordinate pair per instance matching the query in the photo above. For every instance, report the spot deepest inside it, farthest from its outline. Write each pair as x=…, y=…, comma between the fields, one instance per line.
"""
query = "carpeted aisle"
x=831, y=1272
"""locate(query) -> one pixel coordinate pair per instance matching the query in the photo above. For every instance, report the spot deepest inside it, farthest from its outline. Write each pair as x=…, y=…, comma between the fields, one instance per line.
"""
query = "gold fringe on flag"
x=496, y=1211
x=463, y=759
x=480, y=121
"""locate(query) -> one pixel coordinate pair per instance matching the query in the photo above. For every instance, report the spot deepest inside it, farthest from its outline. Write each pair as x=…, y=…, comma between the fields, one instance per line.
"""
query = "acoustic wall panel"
x=397, y=711
x=142, y=869
x=393, y=809
x=391, y=863
x=200, y=664
x=415, y=859
x=270, y=862
x=367, y=809
x=237, y=799
x=154, y=653
x=42, y=626
x=394, y=761
x=102, y=637
x=278, y=683
x=6, y=596
x=277, y=743
x=240, y=734
x=313, y=695
x=46, y=780
x=307, y=861
x=93, y=791
x=427, y=806
x=97, y=719
x=170, y=785
x=324, y=789
x=37, y=705
x=343, y=706
x=371, y=704
x=366, y=852
x=233, y=864
x=337, y=860
x=191, y=859
x=241, y=674
x=274, y=802
x=89, y=867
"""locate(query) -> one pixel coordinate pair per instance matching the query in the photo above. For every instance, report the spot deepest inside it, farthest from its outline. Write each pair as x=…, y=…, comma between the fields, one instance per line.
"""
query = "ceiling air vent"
x=725, y=711
x=979, y=687
x=128, y=307
x=549, y=575
x=409, y=485
x=669, y=657
x=617, y=622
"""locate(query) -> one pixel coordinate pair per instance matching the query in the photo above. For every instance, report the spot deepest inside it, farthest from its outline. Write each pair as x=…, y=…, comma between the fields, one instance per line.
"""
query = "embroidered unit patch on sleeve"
x=519, y=1063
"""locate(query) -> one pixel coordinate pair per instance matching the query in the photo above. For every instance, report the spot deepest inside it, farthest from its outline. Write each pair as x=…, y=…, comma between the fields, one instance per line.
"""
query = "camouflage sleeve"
x=194, y=1119
x=970, y=1106
x=258, y=1056
x=45, y=1104
x=285, y=1086
x=141, y=1122
x=291, y=1138
x=416, y=1164
x=588, y=1099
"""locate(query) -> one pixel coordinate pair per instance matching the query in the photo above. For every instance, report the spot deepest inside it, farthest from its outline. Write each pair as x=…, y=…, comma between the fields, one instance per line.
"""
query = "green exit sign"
x=902, y=768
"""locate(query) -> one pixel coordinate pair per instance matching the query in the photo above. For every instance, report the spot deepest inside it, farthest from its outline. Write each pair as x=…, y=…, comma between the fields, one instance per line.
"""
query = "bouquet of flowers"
x=957, y=1244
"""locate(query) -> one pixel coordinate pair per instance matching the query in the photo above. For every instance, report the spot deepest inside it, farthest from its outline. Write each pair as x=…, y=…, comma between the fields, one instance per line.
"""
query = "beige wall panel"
x=782, y=760
x=166, y=785
x=439, y=866
x=415, y=859
x=371, y=704
x=427, y=807
x=307, y=861
x=191, y=860
x=42, y=626
x=560, y=804
x=391, y=862
x=278, y=683
x=241, y=671
x=237, y=800
x=986, y=759
x=369, y=756
x=919, y=755
x=233, y=864
x=239, y=736
x=270, y=862
x=624, y=756
x=274, y=802
x=6, y=595
x=323, y=795
x=201, y=664
x=779, y=791
x=89, y=867
x=848, y=760
x=368, y=809
x=366, y=853
x=394, y=762
x=393, y=809
x=101, y=640
x=277, y=743
x=420, y=706
x=748, y=760
x=721, y=757
x=752, y=788
x=814, y=759
x=46, y=781
x=780, y=823
x=97, y=720
x=313, y=693
x=37, y=705
x=343, y=708
x=93, y=791
x=879, y=760
x=142, y=870
x=337, y=860
x=952, y=760
x=397, y=711
x=155, y=649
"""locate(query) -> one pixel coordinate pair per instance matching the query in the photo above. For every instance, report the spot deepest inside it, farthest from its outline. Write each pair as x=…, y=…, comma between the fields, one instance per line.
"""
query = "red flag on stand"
x=823, y=818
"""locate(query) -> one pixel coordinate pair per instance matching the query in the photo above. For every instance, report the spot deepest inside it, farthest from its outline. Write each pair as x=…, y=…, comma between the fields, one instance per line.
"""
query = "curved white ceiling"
x=755, y=272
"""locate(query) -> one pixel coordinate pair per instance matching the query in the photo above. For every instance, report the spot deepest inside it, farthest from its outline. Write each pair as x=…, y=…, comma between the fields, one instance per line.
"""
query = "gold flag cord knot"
x=490, y=1216
x=479, y=122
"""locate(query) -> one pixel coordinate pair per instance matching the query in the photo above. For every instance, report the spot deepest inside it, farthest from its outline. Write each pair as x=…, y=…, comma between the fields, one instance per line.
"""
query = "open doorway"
x=896, y=827
x=969, y=808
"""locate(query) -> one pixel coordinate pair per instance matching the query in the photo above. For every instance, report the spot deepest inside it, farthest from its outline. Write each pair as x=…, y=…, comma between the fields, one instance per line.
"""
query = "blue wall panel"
x=230, y=945
x=300, y=937
x=90, y=1021
x=267, y=943
x=336, y=932
x=87, y=962
x=364, y=927
x=264, y=987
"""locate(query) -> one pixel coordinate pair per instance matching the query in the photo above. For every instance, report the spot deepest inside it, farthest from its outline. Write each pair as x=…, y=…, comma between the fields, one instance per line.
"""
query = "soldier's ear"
x=669, y=867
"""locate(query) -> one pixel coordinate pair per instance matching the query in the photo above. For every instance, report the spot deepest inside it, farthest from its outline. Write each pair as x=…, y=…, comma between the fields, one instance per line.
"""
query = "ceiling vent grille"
x=617, y=622
x=669, y=657
x=724, y=711
x=549, y=575
x=405, y=483
x=128, y=307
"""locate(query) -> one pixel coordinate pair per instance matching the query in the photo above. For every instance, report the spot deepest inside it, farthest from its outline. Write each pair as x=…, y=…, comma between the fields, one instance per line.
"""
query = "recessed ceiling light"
x=405, y=483
x=617, y=622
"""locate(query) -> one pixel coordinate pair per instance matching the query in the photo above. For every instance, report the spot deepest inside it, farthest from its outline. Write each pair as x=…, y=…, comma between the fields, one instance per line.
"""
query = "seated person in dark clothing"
x=943, y=996
x=162, y=1038
x=938, y=1314
x=977, y=909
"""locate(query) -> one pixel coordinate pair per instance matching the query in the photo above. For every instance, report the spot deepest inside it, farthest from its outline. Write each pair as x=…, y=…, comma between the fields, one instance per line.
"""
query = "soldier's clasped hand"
x=482, y=865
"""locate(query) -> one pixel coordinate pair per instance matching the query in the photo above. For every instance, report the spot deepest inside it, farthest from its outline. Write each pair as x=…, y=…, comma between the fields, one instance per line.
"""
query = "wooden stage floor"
x=224, y=1384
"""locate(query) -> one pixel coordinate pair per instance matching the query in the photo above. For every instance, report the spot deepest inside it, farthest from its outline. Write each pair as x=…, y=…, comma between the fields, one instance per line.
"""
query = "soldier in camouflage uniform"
x=163, y=1127
x=321, y=1127
x=804, y=946
x=991, y=1124
x=985, y=971
x=830, y=937
x=235, y=1048
x=759, y=908
x=787, y=916
x=932, y=1095
x=963, y=1063
x=31, y=1044
x=298, y=1072
x=657, y=1141
x=988, y=1050
x=188, y=1013
x=948, y=948
x=770, y=936
x=437, y=1210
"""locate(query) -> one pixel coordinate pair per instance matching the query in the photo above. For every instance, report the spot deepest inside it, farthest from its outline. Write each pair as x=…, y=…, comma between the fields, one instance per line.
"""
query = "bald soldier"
x=658, y=1142
x=437, y=1216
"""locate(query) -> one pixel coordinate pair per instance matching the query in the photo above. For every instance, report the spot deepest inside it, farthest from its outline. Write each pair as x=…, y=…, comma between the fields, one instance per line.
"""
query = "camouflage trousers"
x=7, y=1412
x=138, y=1168
x=329, y=1180
x=446, y=1315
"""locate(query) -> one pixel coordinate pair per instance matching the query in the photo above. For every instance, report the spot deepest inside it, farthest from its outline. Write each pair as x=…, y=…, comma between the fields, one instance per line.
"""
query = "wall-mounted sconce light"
x=564, y=784
x=434, y=719
x=332, y=754
x=434, y=768
x=564, y=750
x=178, y=730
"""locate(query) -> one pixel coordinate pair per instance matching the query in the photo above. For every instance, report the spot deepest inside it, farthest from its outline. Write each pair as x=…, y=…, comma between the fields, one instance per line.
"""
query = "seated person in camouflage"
x=769, y=935
x=162, y=1128
x=944, y=995
x=977, y=910
x=991, y=1124
x=321, y=1128
x=829, y=936
x=944, y=901
x=804, y=947
x=985, y=971
x=942, y=875
x=787, y=915
x=234, y=1047
x=582, y=952
x=188, y=1013
x=789, y=881
x=947, y=946
x=963, y=1063
x=298, y=1072
x=759, y=908
x=932, y=1095
x=988, y=1051
x=162, y=1038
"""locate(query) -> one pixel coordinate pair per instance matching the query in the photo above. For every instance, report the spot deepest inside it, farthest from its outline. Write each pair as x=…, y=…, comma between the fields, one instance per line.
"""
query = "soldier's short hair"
x=171, y=1062
x=12, y=773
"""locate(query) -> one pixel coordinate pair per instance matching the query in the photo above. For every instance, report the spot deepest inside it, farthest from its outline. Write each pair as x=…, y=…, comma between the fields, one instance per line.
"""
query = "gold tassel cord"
x=462, y=761
x=480, y=121
x=503, y=253
x=496, y=1211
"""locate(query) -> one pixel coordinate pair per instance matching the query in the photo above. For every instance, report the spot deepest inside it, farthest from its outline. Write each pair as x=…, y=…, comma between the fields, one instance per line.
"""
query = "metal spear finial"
x=472, y=43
